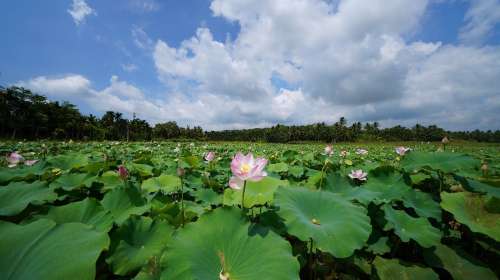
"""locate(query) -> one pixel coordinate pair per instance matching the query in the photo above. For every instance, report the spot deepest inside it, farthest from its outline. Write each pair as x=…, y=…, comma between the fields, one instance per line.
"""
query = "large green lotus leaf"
x=69, y=161
x=296, y=171
x=422, y=203
x=123, y=202
x=164, y=183
x=208, y=197
x=337, y=183
x=88, y=211
x=139, y=240
x=380, y=247
x=277, y=167
x=256, y=193
x=16, y=196
x=444, y=161
x=469, y=209
x=222, y=241
x=43, y=250
x=110, y=180
x=390, y=185
x=407, y=227
x=21, y=172
x=73, y=181
x=344, y=187
x=144, y=170
x=478, y=186
x=459, y=267
x=336, y=225
x=393, y=269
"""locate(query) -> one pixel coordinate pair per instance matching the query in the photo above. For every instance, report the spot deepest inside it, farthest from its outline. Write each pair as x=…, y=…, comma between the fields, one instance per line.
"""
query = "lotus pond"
x=163, y=210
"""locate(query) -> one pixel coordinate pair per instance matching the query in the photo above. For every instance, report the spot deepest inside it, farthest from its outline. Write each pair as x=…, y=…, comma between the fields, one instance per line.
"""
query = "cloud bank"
x=303, y=61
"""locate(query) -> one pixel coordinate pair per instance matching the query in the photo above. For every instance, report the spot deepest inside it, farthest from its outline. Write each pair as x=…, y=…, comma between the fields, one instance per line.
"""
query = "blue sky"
x=225, y=64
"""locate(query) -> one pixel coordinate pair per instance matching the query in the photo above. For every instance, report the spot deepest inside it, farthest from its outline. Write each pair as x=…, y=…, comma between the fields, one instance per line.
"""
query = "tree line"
x=31, y=116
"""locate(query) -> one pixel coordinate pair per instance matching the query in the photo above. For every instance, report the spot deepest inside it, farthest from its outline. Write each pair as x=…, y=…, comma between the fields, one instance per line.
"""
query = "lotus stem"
x=322, y=174
x=182, y=202
x=243, y=195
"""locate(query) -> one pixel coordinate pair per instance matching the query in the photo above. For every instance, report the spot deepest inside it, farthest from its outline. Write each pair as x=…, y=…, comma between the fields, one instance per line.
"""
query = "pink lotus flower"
x=246, y=168
x=361, y=152
x=209, y=156
x=14, y=158
x=30, y=162
x=344, y=153
x=358, y=174
x=123, y=172
x=329, y=150
x=402, y=150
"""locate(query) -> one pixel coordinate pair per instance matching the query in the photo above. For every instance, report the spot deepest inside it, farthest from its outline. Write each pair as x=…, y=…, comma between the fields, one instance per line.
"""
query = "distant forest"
x=30, y=116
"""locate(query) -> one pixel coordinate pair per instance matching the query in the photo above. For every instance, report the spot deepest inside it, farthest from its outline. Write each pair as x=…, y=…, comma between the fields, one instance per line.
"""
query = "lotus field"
x=235, y=211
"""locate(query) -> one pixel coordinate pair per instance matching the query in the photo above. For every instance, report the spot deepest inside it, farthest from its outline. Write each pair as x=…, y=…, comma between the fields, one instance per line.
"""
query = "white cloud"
x=353, y=60
x=144, y=6
x=67, y=85
x=304, y=61
x=481, y=19
x=141, y=38
x=129, y=67
x=80, y=10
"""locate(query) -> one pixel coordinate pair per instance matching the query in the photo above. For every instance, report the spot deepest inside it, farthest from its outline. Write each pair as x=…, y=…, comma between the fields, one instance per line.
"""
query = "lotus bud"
x=209, y=156
x=123, y=172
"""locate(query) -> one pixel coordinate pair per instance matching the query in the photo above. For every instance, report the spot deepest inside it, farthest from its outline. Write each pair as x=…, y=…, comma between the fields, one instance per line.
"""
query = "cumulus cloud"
x=352, y=60
x=304, y=61
x=80, y=10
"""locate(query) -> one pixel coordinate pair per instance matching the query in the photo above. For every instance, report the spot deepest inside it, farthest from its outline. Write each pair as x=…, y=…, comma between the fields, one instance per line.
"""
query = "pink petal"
x=30, y=162
x=236, y=183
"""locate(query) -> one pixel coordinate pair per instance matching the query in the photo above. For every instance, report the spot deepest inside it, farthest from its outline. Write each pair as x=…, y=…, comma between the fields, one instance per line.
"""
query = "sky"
x=225, y=64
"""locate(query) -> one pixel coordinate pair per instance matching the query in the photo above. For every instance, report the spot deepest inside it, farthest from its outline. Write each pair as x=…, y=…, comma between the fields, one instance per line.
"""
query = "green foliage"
x=394, y=269
x=16, y=196
x=140, y=239
x=470, y=210
x=45, y=250
x=407, y=227
x=335, y=225
x=222, y=242
x=71, y=215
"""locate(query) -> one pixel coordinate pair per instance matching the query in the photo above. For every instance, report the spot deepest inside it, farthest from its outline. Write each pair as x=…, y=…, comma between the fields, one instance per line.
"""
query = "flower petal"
x=236, y=183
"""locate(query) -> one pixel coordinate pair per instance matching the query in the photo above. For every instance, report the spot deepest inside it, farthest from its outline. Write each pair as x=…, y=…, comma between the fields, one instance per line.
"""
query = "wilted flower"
x=402, y=150
x=329, y=150
x=484, y=168
x=14, y=158
x=246, y=168
x=361, y=152
x=123, y=172
x=181, y=171
x=344, y=153
x=209, y=156
x=358, y=174
x=30, y=162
